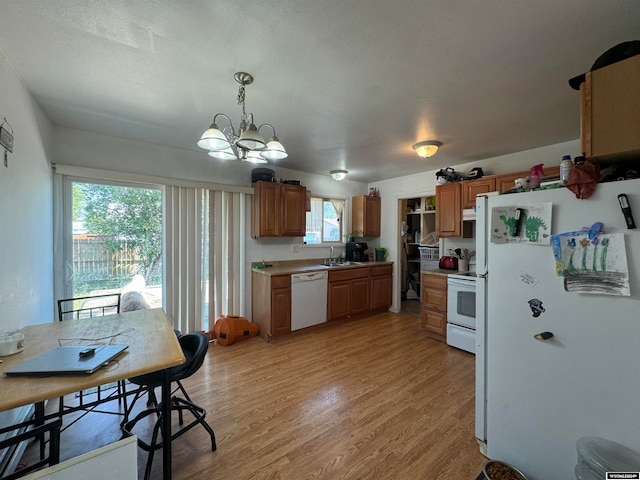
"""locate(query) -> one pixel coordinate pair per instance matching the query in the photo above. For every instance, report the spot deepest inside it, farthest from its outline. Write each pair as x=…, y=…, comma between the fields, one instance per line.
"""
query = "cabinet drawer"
x=435, y=322
x=348, y=274
x=435, y=299
x=382, y=270
x=281, y=281
x=434, y=281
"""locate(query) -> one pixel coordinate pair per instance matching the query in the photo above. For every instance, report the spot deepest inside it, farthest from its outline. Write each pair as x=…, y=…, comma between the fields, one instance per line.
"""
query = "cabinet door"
x=265, y=210
x=365, y=215
x=281, y=310
x=434, y=322
x=381, y=291
x=294, y=211
x=449, y=210
x=338, y=301
x=359, y=295
x=508, y=181
x=434, y=292
x=610, y=109
x=371, y=216
x=472, y=188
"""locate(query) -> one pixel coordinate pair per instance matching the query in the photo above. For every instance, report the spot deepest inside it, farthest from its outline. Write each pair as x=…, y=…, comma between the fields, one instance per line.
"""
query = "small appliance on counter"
x=355, y=251
x=448, y=263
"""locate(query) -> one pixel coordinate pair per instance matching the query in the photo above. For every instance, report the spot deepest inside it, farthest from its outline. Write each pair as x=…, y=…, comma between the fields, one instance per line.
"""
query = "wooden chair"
x=89, y=307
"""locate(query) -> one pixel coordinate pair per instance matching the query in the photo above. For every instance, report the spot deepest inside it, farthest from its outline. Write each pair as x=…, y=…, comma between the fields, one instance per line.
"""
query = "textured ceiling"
x=346, y=84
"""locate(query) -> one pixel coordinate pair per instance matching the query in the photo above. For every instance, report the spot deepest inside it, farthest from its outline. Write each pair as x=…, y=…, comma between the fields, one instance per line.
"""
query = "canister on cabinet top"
x=565, y=168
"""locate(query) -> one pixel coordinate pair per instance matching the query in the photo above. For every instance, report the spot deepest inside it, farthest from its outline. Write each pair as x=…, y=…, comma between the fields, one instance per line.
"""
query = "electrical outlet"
x=296, y=249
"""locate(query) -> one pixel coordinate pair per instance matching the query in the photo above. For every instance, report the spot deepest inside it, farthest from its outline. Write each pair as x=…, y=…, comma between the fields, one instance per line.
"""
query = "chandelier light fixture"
x=428, y=148
x=247, y=144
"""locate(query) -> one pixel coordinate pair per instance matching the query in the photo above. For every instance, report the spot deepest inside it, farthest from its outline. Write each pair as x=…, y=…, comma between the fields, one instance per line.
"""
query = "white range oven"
x=461, y=311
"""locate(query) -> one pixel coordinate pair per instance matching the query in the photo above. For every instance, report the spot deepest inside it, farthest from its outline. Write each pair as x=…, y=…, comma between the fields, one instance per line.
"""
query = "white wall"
x=26, y=258
x=424, y=183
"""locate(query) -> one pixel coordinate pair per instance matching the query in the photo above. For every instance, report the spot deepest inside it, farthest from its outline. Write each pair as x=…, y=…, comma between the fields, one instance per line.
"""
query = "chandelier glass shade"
x=247, y=144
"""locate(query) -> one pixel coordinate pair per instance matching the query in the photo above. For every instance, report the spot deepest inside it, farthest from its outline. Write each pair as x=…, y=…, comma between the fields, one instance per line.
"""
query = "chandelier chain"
x=241, y=100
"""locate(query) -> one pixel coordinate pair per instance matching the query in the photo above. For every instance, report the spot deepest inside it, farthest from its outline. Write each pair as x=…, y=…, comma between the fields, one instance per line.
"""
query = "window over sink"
x=324, y=221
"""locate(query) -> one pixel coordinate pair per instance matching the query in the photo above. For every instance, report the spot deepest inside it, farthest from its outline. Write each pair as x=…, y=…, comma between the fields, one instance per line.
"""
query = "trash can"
x=597, y=456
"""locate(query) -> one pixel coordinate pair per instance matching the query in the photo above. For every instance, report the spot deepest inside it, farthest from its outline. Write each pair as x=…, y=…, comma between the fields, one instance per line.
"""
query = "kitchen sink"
x=338, y=264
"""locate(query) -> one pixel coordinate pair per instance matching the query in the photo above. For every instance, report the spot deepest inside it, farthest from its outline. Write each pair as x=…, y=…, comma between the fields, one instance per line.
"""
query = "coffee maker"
x=355, y=251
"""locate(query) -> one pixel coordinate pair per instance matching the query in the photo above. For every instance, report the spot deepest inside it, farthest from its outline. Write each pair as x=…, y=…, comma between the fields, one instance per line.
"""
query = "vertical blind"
x=204, y=274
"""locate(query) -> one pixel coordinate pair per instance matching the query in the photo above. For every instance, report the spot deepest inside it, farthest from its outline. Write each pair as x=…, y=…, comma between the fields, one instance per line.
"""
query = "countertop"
x=441, y=272
x=289, y=267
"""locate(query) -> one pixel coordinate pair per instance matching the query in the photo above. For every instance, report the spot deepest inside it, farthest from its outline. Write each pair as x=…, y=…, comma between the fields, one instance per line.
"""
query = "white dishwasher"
x=308, y=299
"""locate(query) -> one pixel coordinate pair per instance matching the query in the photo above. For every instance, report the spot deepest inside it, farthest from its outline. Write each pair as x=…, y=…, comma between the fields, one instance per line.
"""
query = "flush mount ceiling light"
x=248, y=143
x=427, y=148
x=338, y=175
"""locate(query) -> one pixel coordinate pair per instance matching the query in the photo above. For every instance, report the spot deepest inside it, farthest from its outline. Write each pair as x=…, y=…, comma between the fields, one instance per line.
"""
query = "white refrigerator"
x=536, y=397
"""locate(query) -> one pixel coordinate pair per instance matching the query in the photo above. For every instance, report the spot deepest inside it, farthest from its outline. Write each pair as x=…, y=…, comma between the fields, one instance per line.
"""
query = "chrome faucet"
x=331, y=258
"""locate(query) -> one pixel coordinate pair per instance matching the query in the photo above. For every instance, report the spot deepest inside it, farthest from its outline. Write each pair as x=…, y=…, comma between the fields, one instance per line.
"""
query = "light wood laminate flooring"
x=367, y=399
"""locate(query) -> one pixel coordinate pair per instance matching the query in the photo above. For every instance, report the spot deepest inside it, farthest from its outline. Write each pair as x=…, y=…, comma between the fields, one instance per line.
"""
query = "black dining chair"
x=194, y=346
x=91, y=306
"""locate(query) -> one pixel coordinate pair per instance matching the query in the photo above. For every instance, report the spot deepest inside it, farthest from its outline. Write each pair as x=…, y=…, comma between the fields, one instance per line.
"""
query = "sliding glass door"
x=112, y=240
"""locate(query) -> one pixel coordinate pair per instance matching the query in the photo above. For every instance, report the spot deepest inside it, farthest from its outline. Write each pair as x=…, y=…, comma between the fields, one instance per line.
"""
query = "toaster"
x=448, y=263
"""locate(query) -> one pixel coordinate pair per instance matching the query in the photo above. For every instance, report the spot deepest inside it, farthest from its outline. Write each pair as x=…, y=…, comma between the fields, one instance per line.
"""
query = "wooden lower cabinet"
x=271, y=304
x=381, y=286
x=339, y=301
x=281, y=304
x=349, y=293
x=434, y=306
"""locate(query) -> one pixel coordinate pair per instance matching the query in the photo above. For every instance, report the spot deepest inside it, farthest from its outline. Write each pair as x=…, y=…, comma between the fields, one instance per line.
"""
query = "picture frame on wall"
x=6, y=139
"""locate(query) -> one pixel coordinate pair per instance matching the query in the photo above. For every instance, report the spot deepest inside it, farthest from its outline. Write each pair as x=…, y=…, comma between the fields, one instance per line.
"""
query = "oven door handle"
x=469, y=284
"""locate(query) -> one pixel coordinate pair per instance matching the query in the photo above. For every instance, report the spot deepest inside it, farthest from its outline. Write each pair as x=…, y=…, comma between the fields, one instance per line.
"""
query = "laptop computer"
x=68, y=360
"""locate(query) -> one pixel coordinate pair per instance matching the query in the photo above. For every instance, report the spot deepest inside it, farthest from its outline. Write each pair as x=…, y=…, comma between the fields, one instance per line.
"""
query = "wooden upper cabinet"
x=365, y=215
x=278, y=210
x=266, y=202
x=471, y=188
x=508, y=181
x=449, y=210
x=610, y=110
x=294, y=211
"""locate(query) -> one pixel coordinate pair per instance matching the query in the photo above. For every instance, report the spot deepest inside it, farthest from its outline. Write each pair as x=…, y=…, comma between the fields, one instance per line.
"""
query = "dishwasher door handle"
x=308, y=277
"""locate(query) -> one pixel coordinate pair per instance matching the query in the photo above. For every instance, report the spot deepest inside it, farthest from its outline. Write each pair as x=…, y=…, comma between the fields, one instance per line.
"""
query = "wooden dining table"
x=153, y=346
